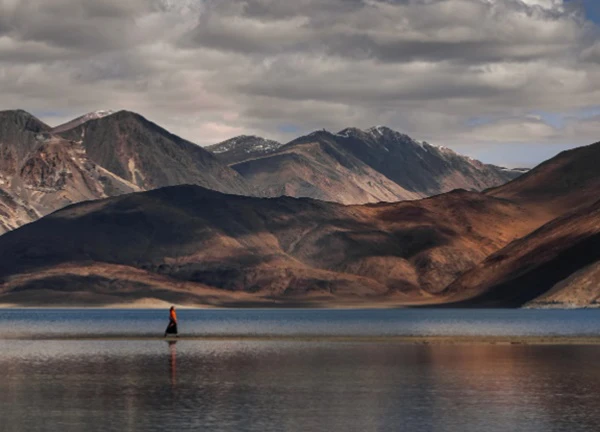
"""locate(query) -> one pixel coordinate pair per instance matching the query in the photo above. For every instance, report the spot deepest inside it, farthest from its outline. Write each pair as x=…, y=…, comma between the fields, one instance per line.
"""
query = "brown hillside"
x=564, y=183
x=557, y=265
x=284, y=249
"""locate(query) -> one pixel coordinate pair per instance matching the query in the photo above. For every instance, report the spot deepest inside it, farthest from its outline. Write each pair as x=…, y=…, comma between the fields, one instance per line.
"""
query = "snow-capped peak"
x=97, y=114
x=246, y=143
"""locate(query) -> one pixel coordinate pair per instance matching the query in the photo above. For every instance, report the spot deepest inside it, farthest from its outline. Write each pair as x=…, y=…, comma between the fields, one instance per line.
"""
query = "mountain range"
x=188, y=244
x=356, y=167
x=211, y=233
x=107, y=153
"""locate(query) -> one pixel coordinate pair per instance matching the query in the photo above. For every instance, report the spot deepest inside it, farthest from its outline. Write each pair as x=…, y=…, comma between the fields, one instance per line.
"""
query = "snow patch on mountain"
x=243, y=147
x=246, y=143
x=95, y=115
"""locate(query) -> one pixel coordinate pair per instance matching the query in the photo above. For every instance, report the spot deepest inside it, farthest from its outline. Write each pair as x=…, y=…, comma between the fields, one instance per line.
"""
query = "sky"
x=510, y=82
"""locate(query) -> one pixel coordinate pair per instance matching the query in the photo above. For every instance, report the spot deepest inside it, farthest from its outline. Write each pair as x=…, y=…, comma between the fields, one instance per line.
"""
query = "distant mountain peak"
x=25, y=120
x=376, y=132
x=246, y=142
x=243, y=147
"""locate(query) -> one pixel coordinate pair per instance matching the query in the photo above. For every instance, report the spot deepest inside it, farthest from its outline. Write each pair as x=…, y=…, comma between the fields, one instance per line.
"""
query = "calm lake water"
x=44, y=323
x=292, y=385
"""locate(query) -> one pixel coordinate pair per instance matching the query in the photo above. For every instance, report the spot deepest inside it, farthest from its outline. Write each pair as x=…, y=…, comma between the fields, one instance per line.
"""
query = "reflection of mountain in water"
x=292, y=386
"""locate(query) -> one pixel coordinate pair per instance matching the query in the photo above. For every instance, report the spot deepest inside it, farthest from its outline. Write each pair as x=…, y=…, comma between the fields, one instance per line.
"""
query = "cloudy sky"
x=507, y=81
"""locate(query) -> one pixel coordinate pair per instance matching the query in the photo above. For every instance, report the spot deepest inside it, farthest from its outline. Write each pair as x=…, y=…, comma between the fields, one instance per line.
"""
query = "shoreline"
x=151, y=303
x=283, y=306
x=368, y=306
x=399, y=339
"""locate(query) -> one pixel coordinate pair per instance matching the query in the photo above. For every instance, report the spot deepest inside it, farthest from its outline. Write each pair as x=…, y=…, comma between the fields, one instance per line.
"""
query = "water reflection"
x=296, y=386
x=173, y=363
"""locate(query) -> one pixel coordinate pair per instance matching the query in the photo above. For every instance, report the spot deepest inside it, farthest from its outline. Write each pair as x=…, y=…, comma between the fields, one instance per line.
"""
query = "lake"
x=53, y=380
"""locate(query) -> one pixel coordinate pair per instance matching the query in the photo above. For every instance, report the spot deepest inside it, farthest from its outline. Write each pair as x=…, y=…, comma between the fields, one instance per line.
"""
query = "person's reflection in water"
x=172, y=363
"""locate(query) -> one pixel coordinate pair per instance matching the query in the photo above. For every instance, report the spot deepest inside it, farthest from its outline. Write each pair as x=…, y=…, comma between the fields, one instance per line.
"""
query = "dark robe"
x=171, y=328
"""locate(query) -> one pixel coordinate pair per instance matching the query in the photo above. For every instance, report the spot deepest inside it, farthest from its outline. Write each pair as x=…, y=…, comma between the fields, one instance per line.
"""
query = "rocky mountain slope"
x=149, y=156
x=319, y=168
x=355, y=166
x=13, y=212
x=95, y=156
x=41, y=172
x=242, y=148
x=19, y=134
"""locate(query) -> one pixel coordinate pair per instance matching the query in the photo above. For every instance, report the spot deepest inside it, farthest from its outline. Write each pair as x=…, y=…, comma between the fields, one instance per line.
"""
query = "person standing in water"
x=172, y=327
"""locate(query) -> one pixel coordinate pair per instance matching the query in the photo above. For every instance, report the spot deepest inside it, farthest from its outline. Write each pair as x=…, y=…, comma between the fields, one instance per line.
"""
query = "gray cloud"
x=462, y=30
x=210, y=69
x=96, y=26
